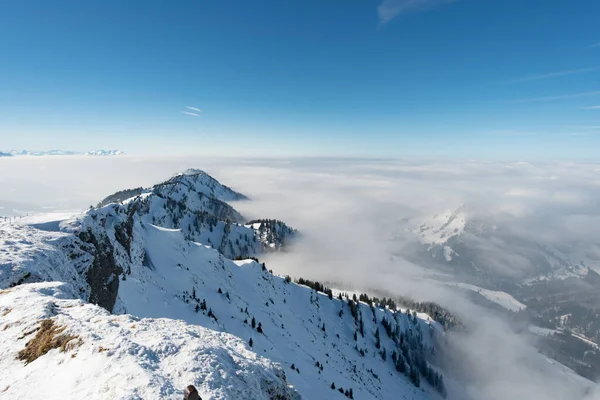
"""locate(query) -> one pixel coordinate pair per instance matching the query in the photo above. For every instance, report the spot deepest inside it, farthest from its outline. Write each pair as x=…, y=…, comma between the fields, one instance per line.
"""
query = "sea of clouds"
x=354, y=216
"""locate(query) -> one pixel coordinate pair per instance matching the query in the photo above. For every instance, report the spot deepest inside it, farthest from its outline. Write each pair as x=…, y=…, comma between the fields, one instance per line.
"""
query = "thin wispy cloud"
x=190, y=113
x=554, y=74
x=596, y=45
x=389, y=9
x=592, y=108
x=588, y=127
x=194, y=109
x=511, y=132
x=560, y=97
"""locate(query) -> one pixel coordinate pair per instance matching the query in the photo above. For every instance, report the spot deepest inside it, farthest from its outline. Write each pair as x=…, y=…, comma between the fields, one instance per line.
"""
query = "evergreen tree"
x=362, y=327
x=253, y=323
x=251, y=342
x=377, y=339
x=332, y=385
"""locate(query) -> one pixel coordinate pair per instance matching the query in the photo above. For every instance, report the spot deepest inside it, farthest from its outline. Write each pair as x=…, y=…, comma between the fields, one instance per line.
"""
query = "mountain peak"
x=198, y=181
x=193, y=171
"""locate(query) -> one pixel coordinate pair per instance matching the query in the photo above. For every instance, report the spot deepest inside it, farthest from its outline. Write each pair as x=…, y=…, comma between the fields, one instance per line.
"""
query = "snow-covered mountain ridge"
x=146, y=256
x=195, y=202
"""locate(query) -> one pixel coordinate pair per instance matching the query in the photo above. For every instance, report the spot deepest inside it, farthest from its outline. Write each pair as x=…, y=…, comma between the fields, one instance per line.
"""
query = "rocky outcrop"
x=103, y=274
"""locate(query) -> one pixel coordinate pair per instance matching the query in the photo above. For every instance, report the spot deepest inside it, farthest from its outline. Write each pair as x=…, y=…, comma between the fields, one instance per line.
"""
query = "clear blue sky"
x=393, y=78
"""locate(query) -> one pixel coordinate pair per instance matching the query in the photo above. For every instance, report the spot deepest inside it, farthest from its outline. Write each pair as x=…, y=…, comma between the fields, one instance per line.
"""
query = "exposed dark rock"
x=103, y=275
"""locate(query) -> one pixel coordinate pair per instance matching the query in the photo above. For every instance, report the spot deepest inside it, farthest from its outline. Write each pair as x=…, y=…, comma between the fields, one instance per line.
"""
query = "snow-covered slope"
x=105, y=356
x=170, y=277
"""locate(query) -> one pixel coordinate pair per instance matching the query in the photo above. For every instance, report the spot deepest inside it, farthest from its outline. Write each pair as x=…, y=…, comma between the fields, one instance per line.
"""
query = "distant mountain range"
x=101, y=152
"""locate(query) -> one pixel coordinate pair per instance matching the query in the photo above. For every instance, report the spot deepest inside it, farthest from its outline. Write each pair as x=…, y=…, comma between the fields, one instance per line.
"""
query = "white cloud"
x=389, y=9
x=511, y=132
x=555, y=74
x=596, y=45
x=190, y=113
x=592, y=108
x=559, y=97
x=194, y=109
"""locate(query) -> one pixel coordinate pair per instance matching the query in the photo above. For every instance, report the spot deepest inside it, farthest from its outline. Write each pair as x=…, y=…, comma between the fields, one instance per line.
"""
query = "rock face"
x=103, y=275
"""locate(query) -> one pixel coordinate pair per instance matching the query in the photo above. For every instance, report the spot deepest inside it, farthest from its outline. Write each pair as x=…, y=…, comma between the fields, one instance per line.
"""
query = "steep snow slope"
x=28, y=254
x=181, y=275
x=503, y=299
x=123, y=357
x=165, y=275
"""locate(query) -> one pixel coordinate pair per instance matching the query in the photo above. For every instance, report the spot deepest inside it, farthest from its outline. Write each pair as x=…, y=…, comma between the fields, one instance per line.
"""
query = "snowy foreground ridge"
x=124, y=357
x=137, y=298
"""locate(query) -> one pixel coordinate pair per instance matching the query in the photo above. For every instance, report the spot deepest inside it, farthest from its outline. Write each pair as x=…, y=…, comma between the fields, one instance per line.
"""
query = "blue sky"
x=391, y=78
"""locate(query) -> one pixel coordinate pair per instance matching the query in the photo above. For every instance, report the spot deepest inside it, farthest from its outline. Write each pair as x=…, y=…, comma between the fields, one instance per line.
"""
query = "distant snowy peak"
x=5, y=154
x=438, y=228
x=43, y=153
x=62, y=153
x=105, y=153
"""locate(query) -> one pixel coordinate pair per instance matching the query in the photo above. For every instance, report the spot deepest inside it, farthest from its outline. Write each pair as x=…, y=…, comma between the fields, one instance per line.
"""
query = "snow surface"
x=124, y=357
x=437, y=229
x=501, y=298
x=291, y=317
